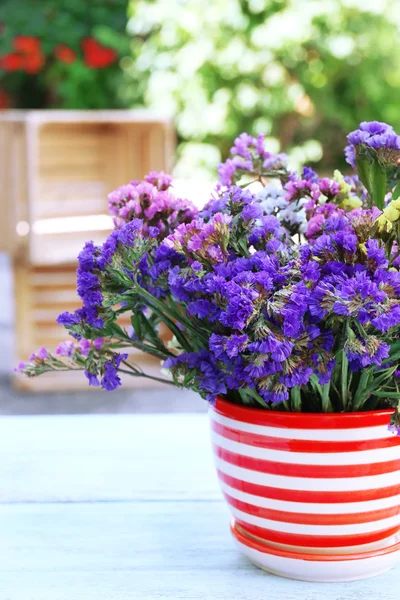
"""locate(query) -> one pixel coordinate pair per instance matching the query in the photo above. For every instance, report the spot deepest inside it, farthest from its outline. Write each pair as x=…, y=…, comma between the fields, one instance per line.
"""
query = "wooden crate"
x=56, y=170
x=41, y=294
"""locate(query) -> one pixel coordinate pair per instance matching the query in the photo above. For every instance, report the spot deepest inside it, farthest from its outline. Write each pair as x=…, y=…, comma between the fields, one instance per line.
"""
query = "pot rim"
x=297, y=420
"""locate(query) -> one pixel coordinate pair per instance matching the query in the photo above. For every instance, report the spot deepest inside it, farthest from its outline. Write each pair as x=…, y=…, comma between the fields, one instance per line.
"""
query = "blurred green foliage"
x=67, y=22
x=303, y=71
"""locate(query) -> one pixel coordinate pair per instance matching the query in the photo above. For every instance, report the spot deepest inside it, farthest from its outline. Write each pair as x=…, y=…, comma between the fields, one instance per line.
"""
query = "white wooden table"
x=113, y=507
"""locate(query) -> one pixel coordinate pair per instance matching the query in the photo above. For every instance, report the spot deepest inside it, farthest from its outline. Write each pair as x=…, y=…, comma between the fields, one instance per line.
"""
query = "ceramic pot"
x=321, y=485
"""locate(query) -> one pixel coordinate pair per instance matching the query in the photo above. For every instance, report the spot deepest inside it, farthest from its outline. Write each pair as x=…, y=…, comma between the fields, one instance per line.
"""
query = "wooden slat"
x=70, y=161
x=42, y=293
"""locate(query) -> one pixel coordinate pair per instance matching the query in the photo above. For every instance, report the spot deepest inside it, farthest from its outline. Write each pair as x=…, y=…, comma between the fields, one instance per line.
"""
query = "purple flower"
x=364, y=352
x=375, y=253
x=87, y=257
x=377, y=136
x=160, y=179
x=111, y=380
x=252, y=211
x=93, y=379
x=42, y=353
x=152, y=201
x=201, y=308
x=247, y=153
x=309, y=174
x=350, y=156
x=68, y=319
x=65, y=348
x=385, y=321
x=238, y=311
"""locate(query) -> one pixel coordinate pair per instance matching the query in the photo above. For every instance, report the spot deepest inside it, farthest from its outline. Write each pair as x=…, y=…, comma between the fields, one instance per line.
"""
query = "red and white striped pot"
x=326, y=485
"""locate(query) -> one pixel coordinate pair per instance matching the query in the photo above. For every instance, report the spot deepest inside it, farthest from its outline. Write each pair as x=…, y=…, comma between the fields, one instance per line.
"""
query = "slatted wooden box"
x=42, y=293
x=56, y=170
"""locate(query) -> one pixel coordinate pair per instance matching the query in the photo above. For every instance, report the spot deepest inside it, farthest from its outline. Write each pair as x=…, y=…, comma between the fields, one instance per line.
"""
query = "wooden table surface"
x=112, y=507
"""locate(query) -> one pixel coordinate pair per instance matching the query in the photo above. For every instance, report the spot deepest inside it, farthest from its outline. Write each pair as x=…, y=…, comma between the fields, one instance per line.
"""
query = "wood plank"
x=106, y=457
x=187, y=582
x=81, y=517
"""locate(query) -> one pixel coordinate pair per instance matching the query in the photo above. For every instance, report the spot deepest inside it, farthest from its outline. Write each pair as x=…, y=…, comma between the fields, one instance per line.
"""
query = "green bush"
x=299, y=70
x=63, y=54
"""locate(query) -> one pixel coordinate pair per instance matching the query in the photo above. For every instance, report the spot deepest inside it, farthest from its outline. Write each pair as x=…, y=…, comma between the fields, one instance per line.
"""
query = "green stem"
x=344, y=380
x=134, y=373
x=326, y=402
x=295, y=399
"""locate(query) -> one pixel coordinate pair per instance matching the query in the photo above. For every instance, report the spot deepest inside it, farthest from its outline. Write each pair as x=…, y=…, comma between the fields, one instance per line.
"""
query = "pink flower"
x=42, y=353
x=315, y=225
x=20, y=368
x=65, y=348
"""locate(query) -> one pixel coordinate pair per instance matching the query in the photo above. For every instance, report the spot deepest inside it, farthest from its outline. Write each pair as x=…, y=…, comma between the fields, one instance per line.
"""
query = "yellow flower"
x=384, y=224
x=392, y=211
x=350, y=203
x=362, y=248
x=344, y=187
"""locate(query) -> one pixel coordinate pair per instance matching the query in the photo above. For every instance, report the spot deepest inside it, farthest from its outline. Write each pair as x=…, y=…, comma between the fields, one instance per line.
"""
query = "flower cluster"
x=153, y=201
x=250, y=155
x=28, y=55
x=93, y=357
x=374, y=139
x=274, y=313
x=311, y=325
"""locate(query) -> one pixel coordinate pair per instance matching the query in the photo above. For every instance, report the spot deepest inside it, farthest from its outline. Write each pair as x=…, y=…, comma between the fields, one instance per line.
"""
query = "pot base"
x=316, y=567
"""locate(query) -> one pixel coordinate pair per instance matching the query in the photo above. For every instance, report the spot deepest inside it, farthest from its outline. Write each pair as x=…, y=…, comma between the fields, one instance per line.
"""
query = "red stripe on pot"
x=306, y=471
x=310, y=446
x=311, y=497
x=312, y=519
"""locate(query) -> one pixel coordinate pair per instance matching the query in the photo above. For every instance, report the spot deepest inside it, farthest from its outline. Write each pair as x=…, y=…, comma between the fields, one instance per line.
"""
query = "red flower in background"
x=27, y=57
x=96, y=55
x=11, y=62
x=25, y=44
x=64, y=54
x=32, y=63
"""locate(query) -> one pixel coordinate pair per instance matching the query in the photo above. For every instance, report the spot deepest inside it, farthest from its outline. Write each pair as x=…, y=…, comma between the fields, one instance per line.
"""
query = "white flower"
x=295, y=214
x=272, y=198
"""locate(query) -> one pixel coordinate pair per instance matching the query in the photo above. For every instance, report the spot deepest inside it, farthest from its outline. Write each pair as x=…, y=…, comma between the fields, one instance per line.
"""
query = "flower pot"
x=325, y=486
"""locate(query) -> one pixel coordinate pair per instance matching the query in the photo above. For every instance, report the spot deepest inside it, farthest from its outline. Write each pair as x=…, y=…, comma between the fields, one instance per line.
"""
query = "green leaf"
x=316, y=386
x=137, y=325
x=361, y=395
x=326, y=402
x=295, y=399
x=378, y=185
x=161, y=309
x=377, y=382
x=390, y=395
x=362, y=165
x=251, y=393
x=344, y=379
x=392, y=357
x=396, y=192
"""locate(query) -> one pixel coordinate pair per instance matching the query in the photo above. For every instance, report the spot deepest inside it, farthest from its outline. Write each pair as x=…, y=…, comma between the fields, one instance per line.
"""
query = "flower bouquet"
x=282, y=296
